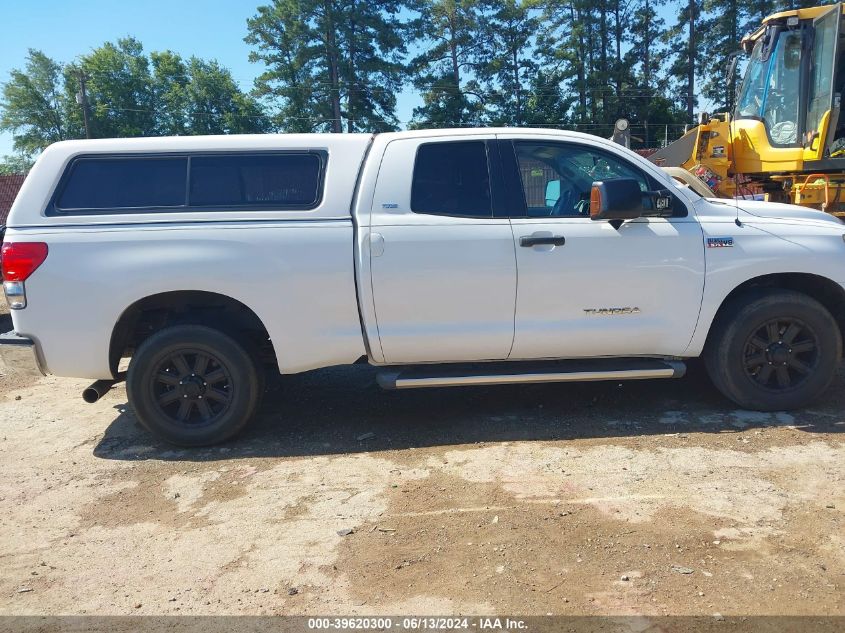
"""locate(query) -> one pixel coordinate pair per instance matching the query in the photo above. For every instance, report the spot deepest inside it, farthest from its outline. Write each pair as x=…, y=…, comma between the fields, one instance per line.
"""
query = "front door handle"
x=541, y=240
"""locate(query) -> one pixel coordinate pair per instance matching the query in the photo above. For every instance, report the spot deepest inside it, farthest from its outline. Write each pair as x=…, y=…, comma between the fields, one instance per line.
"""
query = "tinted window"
x=452, y=179
x=262, y=180
x=557, y=177
x=108, y=183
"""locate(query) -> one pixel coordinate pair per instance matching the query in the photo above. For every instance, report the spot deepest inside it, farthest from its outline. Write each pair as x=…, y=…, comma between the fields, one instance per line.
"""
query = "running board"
x=517, y=372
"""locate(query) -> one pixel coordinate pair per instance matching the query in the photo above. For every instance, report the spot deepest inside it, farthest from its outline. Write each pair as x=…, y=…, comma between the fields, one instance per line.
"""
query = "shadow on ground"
x=342, y=411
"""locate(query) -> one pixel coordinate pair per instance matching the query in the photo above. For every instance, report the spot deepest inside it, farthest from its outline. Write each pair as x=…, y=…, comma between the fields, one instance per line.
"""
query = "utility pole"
x=82, y=100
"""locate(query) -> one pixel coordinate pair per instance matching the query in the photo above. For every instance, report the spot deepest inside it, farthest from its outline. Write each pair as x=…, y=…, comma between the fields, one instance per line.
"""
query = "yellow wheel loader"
x=785, y=139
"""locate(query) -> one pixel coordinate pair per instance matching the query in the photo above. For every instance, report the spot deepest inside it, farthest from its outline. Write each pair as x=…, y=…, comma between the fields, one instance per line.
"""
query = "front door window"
x=557, y=177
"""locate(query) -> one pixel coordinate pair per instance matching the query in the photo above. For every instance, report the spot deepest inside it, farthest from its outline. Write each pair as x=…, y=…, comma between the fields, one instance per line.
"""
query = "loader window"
x=821, y=76
x=770, y=91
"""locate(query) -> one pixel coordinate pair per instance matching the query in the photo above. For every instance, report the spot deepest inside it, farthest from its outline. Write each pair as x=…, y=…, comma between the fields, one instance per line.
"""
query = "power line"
x=319, y=120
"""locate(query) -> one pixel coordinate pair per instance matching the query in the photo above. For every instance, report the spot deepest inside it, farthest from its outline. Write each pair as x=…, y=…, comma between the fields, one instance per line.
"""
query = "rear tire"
x=773, y=350
x=193, y=385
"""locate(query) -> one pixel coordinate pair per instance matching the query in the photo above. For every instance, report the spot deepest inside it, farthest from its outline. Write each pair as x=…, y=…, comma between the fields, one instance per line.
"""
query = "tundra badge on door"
x=611, y=311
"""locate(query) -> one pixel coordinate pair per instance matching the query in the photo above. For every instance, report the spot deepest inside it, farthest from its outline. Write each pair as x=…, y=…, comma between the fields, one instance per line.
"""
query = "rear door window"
x=255, y=180
x=129, y=183
x=452, y=178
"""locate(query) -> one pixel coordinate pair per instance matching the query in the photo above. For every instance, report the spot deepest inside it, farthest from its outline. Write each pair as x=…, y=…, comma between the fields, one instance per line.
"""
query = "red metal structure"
x=9, y=187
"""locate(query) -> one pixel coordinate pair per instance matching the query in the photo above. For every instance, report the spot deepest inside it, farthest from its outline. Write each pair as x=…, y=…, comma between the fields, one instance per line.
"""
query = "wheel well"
x=151, y=314
x=827, y=292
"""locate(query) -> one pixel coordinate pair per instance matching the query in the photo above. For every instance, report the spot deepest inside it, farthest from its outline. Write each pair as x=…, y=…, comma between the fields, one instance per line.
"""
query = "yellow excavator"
x=785, y=139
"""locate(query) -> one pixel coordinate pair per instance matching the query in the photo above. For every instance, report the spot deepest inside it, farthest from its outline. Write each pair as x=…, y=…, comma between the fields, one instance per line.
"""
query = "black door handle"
x=535, y=240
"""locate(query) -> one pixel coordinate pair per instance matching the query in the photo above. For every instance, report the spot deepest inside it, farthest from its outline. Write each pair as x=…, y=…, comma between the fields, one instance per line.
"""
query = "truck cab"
x=480, y=246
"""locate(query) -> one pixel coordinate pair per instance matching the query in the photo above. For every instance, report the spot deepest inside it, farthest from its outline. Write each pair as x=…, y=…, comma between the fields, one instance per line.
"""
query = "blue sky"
x=211, y=29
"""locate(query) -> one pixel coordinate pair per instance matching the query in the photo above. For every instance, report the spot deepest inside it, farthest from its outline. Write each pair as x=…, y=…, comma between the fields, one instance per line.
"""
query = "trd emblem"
x=720, y=242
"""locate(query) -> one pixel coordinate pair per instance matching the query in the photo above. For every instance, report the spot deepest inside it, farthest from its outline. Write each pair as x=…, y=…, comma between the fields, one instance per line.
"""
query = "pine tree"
x=372, y=37
x=620, y=70
x=295, y=41
x=450, y=33
x=560, y=46
x=686, y=55
x=510, y=28
x=720, y=34
x=330, y=65
x=646, y=31
x=546, y=105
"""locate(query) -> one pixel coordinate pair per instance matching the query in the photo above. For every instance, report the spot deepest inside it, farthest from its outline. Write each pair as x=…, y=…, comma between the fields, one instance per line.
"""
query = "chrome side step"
x=516, y=372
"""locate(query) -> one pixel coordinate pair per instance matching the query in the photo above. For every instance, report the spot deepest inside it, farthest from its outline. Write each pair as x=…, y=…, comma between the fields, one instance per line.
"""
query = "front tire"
x=193, y=385
x=773, y=350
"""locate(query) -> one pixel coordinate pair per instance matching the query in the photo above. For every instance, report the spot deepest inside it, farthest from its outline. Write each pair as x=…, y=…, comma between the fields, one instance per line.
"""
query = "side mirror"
x=552, y=192
x=622, y=199
x=616, y=199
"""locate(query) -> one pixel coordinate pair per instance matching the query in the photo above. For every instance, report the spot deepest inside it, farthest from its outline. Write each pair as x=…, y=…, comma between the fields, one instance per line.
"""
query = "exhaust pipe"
x=97, y=390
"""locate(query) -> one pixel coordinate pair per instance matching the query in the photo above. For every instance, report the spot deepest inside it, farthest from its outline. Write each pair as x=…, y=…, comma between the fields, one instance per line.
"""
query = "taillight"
x=18, y=260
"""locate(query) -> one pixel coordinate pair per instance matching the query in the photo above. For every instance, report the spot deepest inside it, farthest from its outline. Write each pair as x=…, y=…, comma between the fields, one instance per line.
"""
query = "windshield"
x=770, y=90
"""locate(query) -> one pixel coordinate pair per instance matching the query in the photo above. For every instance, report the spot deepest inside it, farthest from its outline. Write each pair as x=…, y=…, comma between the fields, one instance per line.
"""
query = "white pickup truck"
x=448, y=257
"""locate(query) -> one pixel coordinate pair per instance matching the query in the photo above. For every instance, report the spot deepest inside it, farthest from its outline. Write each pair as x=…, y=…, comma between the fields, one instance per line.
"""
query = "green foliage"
x=546, y=105
x=297, y=75
x=129, y=93
x=685, y=56
x=719, y=35
x=169, y=92
x=119, y=88
x=330, y=65
x=215, y=105
x=510, y=29
x=451, y=37
x=609, y=58
x=15, y=164
x=34, y=107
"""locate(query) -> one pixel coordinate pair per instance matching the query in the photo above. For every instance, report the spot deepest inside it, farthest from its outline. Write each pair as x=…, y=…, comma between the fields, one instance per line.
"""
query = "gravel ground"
x=645, y=498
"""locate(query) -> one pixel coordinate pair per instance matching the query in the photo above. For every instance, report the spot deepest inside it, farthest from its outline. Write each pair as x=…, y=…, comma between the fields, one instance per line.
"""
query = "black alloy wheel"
x=781, y=354
x=773, y=349
x=194, y=385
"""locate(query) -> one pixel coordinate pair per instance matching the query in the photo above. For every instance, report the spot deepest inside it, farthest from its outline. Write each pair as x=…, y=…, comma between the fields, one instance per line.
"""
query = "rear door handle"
x=536, y=240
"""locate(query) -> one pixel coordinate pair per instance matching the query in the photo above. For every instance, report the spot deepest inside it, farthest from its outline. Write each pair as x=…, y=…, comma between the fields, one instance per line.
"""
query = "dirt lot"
x=644, y=498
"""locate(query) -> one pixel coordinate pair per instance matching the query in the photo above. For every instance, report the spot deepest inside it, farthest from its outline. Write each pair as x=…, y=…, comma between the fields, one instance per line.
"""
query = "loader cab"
x=787, y=110
x=770, y=91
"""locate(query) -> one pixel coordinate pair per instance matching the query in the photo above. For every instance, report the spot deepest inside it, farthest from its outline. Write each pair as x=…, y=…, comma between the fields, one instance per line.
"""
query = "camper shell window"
x=290, y=180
